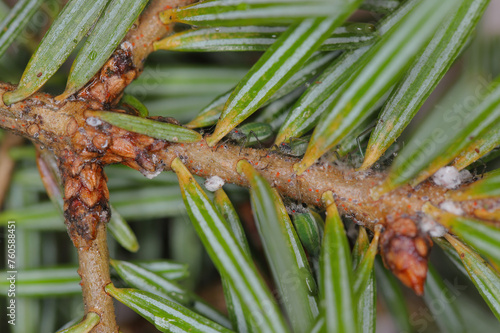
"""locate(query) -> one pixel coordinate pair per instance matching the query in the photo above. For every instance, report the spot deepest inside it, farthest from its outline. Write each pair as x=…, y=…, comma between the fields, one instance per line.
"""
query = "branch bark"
x=94, y=271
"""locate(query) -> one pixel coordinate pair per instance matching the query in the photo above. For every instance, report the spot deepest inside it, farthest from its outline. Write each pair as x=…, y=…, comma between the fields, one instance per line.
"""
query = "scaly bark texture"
x=86, y=211
x=83, y=145
x=86, y=201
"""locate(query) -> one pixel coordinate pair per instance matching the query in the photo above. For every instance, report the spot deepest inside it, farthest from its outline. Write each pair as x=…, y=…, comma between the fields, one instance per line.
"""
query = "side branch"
x=127, y=62
x=87, y=212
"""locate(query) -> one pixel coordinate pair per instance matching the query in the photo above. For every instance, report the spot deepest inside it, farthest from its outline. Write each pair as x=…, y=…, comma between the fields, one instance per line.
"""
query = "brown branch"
x=127, y=62
x=351, y=189
x=94, y=271
x=86, y=211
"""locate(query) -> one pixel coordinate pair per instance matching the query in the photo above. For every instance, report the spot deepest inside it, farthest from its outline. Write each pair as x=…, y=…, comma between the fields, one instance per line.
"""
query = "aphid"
x=295, y=147
x=251, y=133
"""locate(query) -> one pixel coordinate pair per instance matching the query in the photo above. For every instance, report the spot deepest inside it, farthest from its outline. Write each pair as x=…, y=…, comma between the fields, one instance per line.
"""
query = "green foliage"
x=70, y=27
x=166, y=315
x=364, y=267
x=257, y=38
x=234, y=13
x=310, y=106
x=417, y=162
x=227, y=254
x=275, y=67
x=487, y=187
x=319, y=75
x=156, y=129
x=377, y=70
x=145, y=279
x=85, y=326
x=338, y=304
x=210, y=114
x=423, y=77
x=482, y=235
x=16, y=20
x=116, y=20
x=393, y=297
x=486, y=278
x=449, y=319
x=367, y=300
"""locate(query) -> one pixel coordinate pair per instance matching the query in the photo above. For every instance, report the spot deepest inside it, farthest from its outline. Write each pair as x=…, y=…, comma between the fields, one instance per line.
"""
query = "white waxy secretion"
x=447, y=177
x=451, y=207
x=431, y=227
x=93, y=121
x=214, y=183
